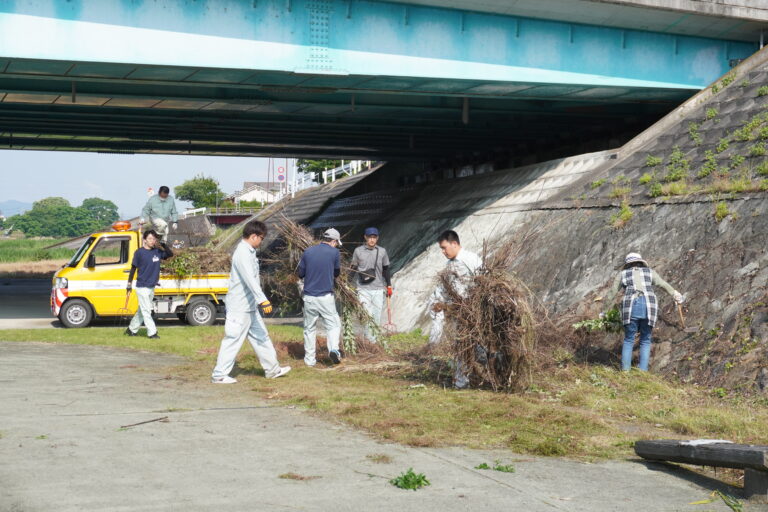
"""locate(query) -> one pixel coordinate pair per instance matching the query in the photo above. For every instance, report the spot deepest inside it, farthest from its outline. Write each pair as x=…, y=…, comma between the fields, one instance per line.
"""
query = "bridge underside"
x=330, y=78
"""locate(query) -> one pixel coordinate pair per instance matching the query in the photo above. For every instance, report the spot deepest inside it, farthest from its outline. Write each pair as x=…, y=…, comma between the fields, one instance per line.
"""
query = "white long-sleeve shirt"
x=245, y=293
x=463, y=267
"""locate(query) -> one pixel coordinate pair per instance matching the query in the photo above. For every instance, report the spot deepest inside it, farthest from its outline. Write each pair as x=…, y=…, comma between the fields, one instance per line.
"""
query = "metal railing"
x=230, y=210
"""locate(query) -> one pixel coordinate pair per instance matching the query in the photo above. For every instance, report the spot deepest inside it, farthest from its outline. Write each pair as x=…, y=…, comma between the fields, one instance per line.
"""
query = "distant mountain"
x=12, y=207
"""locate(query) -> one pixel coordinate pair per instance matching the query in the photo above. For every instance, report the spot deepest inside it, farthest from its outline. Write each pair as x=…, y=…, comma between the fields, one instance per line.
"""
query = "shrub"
x=762, y=168
x=721, y=211
x=762, y=91
x=722, y=145
x=620, y=219
x=655, y=190
x=645, y=178
x=710, y=164
x=652, y=161
x=757, y=150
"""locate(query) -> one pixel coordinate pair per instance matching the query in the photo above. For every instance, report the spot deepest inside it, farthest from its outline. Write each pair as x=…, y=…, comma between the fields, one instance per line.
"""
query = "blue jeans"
x=638, y=321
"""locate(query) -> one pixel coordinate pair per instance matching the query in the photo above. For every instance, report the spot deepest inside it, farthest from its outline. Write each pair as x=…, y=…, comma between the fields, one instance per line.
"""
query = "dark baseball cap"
x=371, y=231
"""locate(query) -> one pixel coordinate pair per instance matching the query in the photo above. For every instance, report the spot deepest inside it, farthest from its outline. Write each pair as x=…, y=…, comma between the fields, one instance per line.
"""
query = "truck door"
x=107, y=268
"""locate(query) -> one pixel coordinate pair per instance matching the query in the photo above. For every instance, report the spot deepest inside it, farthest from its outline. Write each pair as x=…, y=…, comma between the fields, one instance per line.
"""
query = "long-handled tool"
x=682, y=318
x=389, y=327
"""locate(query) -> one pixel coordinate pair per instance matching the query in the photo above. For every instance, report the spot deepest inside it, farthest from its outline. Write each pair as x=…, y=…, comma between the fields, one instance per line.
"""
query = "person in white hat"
x=639, y=307
x=319, y=267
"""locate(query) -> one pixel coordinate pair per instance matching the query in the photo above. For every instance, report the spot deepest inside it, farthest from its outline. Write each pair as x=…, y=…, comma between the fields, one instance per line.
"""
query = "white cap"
x=333, y=235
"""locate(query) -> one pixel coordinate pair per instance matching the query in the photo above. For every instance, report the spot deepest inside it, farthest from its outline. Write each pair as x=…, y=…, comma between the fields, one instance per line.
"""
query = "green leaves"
x=410, y=480
x=201, y=191
x=497, y=466
x=610, y=323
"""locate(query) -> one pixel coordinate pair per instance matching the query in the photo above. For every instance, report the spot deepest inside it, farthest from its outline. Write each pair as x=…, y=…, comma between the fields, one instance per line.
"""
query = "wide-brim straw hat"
x=634, y=257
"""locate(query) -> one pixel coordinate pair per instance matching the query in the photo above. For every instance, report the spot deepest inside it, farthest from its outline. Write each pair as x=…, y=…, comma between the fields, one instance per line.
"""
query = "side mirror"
x=91, y=261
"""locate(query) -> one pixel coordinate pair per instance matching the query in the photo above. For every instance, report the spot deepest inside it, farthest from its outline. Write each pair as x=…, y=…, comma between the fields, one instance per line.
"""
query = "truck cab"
x=93, y=284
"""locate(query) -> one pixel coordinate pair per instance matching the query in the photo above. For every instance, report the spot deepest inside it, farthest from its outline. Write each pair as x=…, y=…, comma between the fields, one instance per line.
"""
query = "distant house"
x=256, y=191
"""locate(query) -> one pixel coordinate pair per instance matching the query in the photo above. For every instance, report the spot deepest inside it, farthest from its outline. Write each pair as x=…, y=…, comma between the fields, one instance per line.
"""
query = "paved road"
x=62, y=449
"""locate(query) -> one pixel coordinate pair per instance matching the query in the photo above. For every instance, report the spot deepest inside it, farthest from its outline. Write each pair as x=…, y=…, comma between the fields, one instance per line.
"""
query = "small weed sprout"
x=763, y=91
x=655, y=190
x=762, y=168
x=597, y=184
x=497, y=466
x=744, y=83
x=379, y=458
x=711, y=113
x=645, y=178
x=722, y=145
x=653, y=161
x=410, y=480
x=715, y=88
x=721, y=211
x=736, y=161
x=728, y=79
x=620, y=192
x=757, y=150
x=693, y=131
x=678, y=166
x=710, y=164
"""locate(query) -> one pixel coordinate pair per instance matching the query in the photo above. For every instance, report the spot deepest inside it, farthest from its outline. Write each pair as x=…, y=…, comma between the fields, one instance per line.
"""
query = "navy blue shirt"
x=147, y=262
x=319, y=265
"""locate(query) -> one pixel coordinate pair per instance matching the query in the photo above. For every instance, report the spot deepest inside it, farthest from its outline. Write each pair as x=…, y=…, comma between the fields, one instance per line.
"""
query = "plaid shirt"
x=639, y=281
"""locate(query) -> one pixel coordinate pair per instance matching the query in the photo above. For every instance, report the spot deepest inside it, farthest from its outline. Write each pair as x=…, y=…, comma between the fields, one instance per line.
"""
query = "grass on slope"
x=576, y=411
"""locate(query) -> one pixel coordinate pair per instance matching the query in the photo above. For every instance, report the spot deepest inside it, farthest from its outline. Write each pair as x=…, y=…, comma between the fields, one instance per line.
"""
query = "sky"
x=27, y=176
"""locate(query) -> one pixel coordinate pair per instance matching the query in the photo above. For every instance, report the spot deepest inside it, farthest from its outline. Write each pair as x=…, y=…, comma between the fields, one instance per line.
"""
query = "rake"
x=389, y=327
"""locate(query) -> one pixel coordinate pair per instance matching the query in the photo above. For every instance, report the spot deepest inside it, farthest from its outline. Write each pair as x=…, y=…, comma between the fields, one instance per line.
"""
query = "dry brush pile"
x=280, y=277
x=196, y=261
x=492, y=329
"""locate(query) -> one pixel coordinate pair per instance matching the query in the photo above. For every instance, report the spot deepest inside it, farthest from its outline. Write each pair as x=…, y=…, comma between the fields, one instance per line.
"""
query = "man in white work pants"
x=144, y=313
x=236, y=327
x=320, y=307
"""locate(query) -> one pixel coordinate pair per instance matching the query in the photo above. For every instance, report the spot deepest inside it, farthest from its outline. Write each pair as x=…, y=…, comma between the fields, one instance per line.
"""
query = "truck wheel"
x=201, y=312
x=76, y=313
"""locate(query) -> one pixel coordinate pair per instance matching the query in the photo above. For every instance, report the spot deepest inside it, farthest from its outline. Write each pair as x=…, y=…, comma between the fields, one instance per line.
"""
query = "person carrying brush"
x=146, y=262
x=244, y=300
x=639, y=307
x=370, y=263
x=319, y=267
x=461, y=266
x=160, y=212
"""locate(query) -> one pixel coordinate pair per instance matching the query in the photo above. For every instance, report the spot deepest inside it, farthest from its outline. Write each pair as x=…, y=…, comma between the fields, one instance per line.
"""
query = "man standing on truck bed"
x=146, y=261
x=244, y=300
x=160, y=212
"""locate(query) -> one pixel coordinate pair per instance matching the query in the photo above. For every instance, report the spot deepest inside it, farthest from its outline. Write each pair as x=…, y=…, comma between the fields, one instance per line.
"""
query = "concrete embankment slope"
x=689, y=194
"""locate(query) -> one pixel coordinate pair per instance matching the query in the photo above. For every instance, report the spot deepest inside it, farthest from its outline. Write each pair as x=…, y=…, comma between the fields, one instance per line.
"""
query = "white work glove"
x=602, y=315
x=174, y=226
x=141, y=221
x=678, y=297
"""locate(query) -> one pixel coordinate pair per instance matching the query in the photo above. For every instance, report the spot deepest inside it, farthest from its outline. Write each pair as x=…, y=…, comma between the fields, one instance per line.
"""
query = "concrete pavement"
x=62, y=449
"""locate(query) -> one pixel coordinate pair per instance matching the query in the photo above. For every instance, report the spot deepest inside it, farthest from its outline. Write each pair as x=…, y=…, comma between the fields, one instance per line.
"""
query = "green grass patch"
x=617, y=192
x=763, y=90
x=711, y=113
x=653, y=161
x=623, y=216
x=721, y=211
x=597, y=183
x=16, y=250
x=590, y=412
x=645, y=178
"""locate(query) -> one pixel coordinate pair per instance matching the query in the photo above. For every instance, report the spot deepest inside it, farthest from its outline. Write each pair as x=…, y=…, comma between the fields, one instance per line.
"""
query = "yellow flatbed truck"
x=93, y=284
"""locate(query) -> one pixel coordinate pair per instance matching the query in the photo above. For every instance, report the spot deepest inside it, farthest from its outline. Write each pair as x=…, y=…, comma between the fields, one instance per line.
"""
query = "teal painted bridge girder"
x=356, y=78
x=351, y=37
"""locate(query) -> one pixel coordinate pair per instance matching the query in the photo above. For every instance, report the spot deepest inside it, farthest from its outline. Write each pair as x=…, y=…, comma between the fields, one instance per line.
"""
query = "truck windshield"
x=79, y=254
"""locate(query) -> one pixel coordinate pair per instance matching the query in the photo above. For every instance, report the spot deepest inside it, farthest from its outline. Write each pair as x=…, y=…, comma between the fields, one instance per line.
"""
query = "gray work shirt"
x=365, y=258
x=245, y=292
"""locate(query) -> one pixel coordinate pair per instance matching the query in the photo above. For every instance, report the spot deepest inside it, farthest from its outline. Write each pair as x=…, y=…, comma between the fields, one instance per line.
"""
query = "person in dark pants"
x=319, y=267
x=639, y=308
x=146, y=262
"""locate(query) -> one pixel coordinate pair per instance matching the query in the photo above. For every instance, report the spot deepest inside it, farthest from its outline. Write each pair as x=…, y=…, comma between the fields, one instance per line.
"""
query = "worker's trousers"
x=372, y=300
x=144, y=313
x=320, y=307
x=460, y=379
x=237, y=326
x=161, y=227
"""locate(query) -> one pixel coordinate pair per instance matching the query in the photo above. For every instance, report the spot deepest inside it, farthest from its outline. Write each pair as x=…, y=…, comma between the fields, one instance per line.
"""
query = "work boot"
x=154, y=337
x=335, y=356
x=128, y=332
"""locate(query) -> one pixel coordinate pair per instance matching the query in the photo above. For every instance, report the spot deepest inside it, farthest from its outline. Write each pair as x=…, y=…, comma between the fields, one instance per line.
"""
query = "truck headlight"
x=61, y=282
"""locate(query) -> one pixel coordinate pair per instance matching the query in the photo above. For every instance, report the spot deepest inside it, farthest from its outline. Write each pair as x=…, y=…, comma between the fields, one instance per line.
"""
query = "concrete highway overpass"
x=421, y=79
